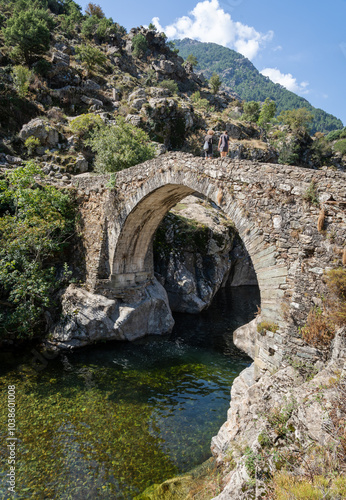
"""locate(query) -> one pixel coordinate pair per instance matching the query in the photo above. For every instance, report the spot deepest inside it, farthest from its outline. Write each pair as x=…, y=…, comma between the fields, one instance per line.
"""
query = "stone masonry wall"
x=277, y=225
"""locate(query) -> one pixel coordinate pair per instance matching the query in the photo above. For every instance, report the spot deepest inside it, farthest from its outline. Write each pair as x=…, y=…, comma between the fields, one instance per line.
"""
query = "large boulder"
x=90, y=317
x=42, y=130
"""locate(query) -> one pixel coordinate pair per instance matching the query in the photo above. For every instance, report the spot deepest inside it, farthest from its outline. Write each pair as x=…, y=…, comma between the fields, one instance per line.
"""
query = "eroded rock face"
x=90, y=317
x=192, y=254
x=307, y=413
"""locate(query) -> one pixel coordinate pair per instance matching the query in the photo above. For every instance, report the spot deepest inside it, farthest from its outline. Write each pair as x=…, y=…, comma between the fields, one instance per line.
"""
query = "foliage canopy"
x=35, y=223
x=120, y=146
x=29, y=32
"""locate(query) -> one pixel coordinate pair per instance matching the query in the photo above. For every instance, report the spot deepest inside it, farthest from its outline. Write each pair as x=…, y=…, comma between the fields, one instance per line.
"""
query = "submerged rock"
x=90, y=317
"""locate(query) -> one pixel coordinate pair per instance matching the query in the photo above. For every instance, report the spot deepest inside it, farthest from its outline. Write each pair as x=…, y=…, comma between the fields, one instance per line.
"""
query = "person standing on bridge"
x=208, y=140
x=223, y=144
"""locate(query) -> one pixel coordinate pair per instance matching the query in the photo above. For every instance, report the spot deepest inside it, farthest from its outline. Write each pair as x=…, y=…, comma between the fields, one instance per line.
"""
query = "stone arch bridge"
x=270, y=208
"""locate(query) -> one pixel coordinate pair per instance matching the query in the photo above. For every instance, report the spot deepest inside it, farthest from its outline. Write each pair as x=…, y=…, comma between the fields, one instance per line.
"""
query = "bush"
x=35, y=222
x=333, y=135
x=336, y=303
x=215, y=83
x=120, y=146
x=170, y=85
x=340, y=146
x=251, y=111
x=318, y=330
x=31, y=144
x=139, y=44
x=91, y=56
x=42, y=67
x=311, y=194
x=84, y=124
x=21, y=79
x=298, y=120
x=191, y=59
x=89, y=26
x=267, y=326
x=266, y=114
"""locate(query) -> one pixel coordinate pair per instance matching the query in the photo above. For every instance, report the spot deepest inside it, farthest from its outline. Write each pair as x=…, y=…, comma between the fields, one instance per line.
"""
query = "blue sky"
x=300, y=44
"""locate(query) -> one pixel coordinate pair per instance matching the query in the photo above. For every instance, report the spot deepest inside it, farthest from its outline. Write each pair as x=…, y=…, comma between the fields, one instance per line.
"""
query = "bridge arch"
x=131, y=261
x=268, y=206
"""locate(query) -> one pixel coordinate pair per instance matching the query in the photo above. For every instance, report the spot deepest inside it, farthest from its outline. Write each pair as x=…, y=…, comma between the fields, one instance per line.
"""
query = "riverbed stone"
x=89, y=317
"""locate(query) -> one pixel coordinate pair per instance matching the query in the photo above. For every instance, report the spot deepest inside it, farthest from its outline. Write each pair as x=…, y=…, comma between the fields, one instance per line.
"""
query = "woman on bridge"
x=209, y=139
x=223, y=144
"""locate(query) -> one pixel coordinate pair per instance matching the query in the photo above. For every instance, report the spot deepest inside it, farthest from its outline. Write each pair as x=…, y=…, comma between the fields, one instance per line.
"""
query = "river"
x=110, y=420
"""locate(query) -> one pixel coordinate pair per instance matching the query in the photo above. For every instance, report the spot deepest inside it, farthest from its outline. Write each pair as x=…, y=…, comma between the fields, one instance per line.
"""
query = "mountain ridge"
x=240, y=74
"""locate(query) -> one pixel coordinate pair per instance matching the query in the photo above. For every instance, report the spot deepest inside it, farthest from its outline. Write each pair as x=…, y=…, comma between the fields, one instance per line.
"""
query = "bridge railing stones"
x=267, y=204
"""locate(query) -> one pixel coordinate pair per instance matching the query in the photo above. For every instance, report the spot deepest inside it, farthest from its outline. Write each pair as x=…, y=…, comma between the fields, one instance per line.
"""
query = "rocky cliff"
x=197, y=249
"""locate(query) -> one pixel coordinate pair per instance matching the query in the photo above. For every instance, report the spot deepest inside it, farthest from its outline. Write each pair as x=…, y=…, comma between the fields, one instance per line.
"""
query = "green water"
x=109, y=421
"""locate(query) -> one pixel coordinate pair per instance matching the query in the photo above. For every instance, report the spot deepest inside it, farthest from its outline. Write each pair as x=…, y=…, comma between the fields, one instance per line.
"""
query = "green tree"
x=298, y=120
x=340, y=146
x=215, y=83
x=91, y=56
x=21, y=79
x=139, y=44
x=29, y=32
x=267, y=114
x=170, y=85
x=251, y=111
x=89, y=26
x=120, y=146
x=82, y=125
x=191, y=59
x=35, y=223
x=152, y=27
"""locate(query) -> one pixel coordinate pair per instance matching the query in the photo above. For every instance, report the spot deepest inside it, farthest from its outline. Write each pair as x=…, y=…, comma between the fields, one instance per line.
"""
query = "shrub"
x=84, y=124
x=170, y=85
x=318, y=330
x=21, y=79
x=120, y=146
x=336, y=303
x=191, y=59
x=264, y=326
x=311, y=194
x=42, y=67
x=196, y=96
x=31, y=144
x=298, y=120
x=266, y=114
x=251, y=111
x=333, y=135
x=215, y=83
x=139, y=44
x=340, y=146
x=89, y=26
x=35, y=222
x=288, y=486
x=321, y=151
x=91, y=56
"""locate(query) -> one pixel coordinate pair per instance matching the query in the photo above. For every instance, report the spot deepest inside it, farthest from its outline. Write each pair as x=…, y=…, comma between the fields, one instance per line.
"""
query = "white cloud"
x=286, y=80
x=208, y=22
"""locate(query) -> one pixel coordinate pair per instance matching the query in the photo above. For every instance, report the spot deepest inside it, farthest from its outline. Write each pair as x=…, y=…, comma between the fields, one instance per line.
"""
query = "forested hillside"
x=237, y=72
